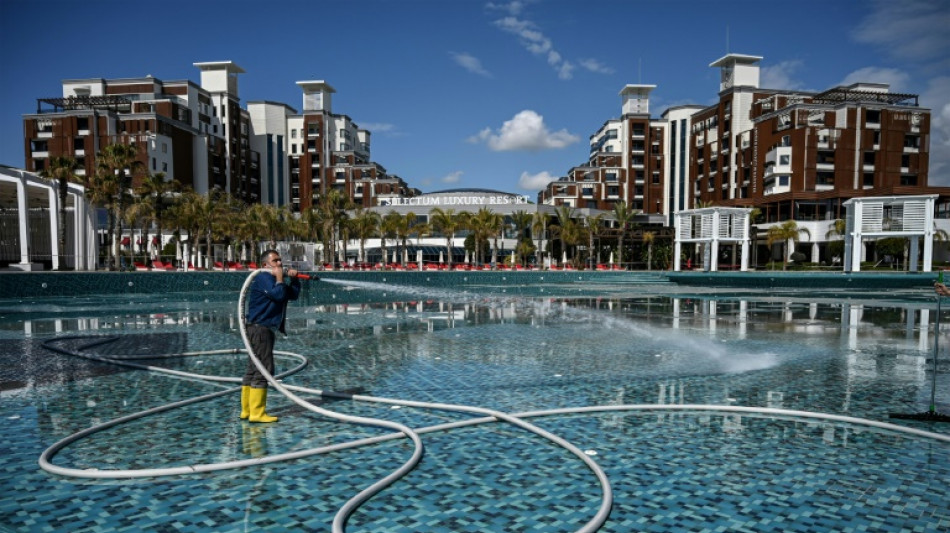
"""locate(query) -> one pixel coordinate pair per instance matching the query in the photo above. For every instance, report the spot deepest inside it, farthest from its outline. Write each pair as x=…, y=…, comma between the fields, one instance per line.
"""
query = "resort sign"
x=461, y=200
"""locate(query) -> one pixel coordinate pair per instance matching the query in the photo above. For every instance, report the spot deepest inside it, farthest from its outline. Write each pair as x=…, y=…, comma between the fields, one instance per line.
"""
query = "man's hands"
x=279, y=273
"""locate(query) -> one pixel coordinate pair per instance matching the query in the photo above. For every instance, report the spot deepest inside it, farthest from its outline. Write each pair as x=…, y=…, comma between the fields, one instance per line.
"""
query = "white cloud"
x=512, y=8
x=379, y=127
x=565, y=71
x=936, y=97
x=595, y=66
x=525, y=131
x=914, y=30
x=781, y=76
x=535, y=182
x=915, y=33
x=454, y=177
x=470, y=63
x=897, y=79
x=537, y=43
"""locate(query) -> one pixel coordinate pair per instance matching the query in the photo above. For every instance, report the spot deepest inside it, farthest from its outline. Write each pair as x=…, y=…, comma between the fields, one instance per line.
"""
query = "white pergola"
x=910, y=217
x=36, y=200
x=712, y=226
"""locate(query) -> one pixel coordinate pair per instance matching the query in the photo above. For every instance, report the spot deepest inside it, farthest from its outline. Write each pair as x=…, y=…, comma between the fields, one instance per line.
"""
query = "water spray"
x=930, y=415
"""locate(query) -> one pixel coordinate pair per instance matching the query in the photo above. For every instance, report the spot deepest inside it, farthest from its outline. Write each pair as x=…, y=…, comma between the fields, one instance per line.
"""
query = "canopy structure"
x=910, y=217
x=30, y=211
x=711, y=226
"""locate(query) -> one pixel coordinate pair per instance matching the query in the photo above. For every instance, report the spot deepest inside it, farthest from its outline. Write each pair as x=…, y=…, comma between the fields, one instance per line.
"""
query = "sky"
x=474, y=94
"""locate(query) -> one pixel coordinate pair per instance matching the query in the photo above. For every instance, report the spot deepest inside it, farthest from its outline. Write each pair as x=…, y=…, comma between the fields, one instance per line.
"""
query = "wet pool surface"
x=524, y=349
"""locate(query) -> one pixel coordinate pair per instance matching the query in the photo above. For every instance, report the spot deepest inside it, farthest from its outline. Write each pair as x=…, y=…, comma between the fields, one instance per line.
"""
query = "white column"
x=714, y=245
x=24, y=216
x=746, y=241
x=856, y=240
x=53, y=204
x=81, y=231
x=677, y=246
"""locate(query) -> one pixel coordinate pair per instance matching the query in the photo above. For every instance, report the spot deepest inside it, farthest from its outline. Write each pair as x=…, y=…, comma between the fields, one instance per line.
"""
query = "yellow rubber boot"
x=258, y=401
x=245, y=401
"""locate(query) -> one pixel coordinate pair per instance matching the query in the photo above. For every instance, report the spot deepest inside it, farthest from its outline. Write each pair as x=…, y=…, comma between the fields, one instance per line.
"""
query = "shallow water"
x=511, y=348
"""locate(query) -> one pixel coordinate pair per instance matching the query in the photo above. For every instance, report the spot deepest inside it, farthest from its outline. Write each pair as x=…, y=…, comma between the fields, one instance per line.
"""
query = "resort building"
x=790, y=155
x=200, y=136
x=784, y=154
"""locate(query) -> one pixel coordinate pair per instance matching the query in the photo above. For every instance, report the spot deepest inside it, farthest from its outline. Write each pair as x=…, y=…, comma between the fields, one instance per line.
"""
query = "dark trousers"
x=262, y=342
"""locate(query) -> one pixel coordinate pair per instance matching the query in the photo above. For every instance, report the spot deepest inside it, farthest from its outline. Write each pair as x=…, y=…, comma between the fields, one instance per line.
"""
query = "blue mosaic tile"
x=499, y=341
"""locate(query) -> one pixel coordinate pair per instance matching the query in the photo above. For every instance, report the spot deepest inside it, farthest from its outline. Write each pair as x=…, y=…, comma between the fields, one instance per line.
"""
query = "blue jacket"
x=267, y=301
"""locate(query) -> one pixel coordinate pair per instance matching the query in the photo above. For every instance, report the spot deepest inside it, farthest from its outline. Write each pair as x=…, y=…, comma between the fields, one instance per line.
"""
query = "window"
x=164, y=167
x=293, y=134
x=873, y=116
x=869, y=158
x=868, y=179
x=164, y=148
x=154, y=164
x=783, y=160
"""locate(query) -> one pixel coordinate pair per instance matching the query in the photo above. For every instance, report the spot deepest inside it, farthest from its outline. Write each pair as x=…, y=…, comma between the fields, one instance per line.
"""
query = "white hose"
x=339, y=521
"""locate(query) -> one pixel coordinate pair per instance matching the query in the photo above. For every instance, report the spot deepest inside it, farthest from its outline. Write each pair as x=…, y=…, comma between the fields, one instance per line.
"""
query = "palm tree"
x=387, y=230
x=496, y=228
x=420, y=230
x=648, y=238
x=566, y=229
x=118, y=163
x=62, y=171
x=595, y=227
x=522, y=221
x=185, y=216
x=539, y=228
x=624, y=217
x=333, y=207
x=156, y=189
x=483, y=224
x=446, y=222
x=365, y=226
x=784, y=232
x=137, y=215
x=403, y=232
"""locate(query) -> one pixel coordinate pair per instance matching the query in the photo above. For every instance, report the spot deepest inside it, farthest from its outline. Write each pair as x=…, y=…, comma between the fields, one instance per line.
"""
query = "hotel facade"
x=791, y=155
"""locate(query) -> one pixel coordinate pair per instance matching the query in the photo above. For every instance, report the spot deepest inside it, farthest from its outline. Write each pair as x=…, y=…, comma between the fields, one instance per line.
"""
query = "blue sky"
x=466, y=93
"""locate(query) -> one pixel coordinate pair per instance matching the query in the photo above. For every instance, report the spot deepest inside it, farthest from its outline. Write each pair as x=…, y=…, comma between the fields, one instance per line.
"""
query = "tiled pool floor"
x=669, y=470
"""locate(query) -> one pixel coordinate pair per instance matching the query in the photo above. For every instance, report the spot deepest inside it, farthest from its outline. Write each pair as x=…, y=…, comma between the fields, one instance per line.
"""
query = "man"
x=266, y=310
